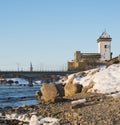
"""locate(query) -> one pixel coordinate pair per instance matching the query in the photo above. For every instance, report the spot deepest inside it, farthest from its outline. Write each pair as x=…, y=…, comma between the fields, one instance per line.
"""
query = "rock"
x=78, y=103
x=86, y=88
x=49, y=121
x=119, y=58
x=94, y=112
x=71, y=89
x=82, y=74
x=95, y=71
x=115, y=60
x=10, y=82
x=21, y=123
x=49, y=92
x=34, y=120
x=60, y=89
x=65, y=78
x=38, y=95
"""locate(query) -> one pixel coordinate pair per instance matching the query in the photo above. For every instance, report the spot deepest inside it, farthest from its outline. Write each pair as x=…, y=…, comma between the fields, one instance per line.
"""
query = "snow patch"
x=79, y=101
x=107, y=80
x=31, y=118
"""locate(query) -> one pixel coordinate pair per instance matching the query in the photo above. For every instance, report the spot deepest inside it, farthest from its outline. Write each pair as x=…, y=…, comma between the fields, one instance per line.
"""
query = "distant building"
x=85, y=61
x=31, y=67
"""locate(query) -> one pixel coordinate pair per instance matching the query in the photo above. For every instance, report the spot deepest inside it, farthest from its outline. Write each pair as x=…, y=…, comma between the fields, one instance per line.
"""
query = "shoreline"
x=98, y=109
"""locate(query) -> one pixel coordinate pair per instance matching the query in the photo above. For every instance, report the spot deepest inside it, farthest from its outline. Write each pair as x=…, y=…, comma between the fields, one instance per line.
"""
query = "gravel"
x=99, y=109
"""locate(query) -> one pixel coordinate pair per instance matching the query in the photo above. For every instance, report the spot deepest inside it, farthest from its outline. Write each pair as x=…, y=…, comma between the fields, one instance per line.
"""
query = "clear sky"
x=48, y=32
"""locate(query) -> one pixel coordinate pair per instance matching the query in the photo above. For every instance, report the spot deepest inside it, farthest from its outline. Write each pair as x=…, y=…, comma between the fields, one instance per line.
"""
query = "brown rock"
x=82, y=74
x=71, y=89
x=95, y=71
x=38, y=95
x=86, y=88
x=119, y=58
x=49, y=92
x=65, y=78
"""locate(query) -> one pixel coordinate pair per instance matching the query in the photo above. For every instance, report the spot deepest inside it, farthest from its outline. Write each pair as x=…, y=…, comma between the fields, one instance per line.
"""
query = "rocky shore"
x=75, y=101
x=99, y=109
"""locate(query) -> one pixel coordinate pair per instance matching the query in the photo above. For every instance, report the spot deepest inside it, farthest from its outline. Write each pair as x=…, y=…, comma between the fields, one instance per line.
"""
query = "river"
x=13, y=96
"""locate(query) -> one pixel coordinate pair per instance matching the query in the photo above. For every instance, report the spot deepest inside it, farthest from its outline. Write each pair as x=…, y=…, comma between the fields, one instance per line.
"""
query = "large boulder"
x=49, y=92
x=88, y=87
x=10, y=82
x=71, y=89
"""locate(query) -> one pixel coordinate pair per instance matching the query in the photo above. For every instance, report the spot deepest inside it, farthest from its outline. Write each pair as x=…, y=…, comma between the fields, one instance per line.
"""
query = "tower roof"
x=104, y=37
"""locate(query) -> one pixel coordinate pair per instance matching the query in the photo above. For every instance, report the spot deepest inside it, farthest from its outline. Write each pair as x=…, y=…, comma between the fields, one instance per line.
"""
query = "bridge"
x=33, y=75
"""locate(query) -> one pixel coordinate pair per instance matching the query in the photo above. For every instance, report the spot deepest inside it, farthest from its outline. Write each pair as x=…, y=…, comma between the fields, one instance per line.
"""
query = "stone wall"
x=86, y=61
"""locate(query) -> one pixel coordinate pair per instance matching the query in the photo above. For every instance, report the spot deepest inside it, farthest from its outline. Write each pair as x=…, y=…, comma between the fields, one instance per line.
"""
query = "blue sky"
x=48, y=32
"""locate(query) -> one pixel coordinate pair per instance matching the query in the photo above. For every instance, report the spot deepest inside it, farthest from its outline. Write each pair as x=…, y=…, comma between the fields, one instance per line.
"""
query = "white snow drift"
x=107, y=80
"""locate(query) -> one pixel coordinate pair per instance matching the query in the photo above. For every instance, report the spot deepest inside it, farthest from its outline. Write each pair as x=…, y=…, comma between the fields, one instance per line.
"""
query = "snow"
x=38, y=82
x=107, y=80
x=20, y=81
x=79, y=101
x=32, y=119
x=49, y=121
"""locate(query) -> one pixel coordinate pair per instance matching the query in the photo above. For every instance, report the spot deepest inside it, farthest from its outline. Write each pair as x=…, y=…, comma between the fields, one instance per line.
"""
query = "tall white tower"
x=104, y=46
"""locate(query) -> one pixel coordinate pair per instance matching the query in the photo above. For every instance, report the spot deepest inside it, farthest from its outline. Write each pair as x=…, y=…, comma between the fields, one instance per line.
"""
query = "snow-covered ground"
x=107, y=80
x=32, y=119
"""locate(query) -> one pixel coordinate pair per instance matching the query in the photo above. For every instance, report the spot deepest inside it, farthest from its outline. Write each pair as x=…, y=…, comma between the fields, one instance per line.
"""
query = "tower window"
x=106, y=46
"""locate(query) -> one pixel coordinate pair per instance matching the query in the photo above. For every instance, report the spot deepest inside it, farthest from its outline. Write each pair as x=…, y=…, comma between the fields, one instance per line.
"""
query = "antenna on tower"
x=105, y=30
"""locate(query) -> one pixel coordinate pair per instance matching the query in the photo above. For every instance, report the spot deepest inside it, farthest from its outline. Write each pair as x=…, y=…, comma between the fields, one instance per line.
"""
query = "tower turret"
x=77, y=55
x=104, y=46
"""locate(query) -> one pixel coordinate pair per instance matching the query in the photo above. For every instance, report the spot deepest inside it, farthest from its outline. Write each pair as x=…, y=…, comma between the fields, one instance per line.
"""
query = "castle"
x=85, y=61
